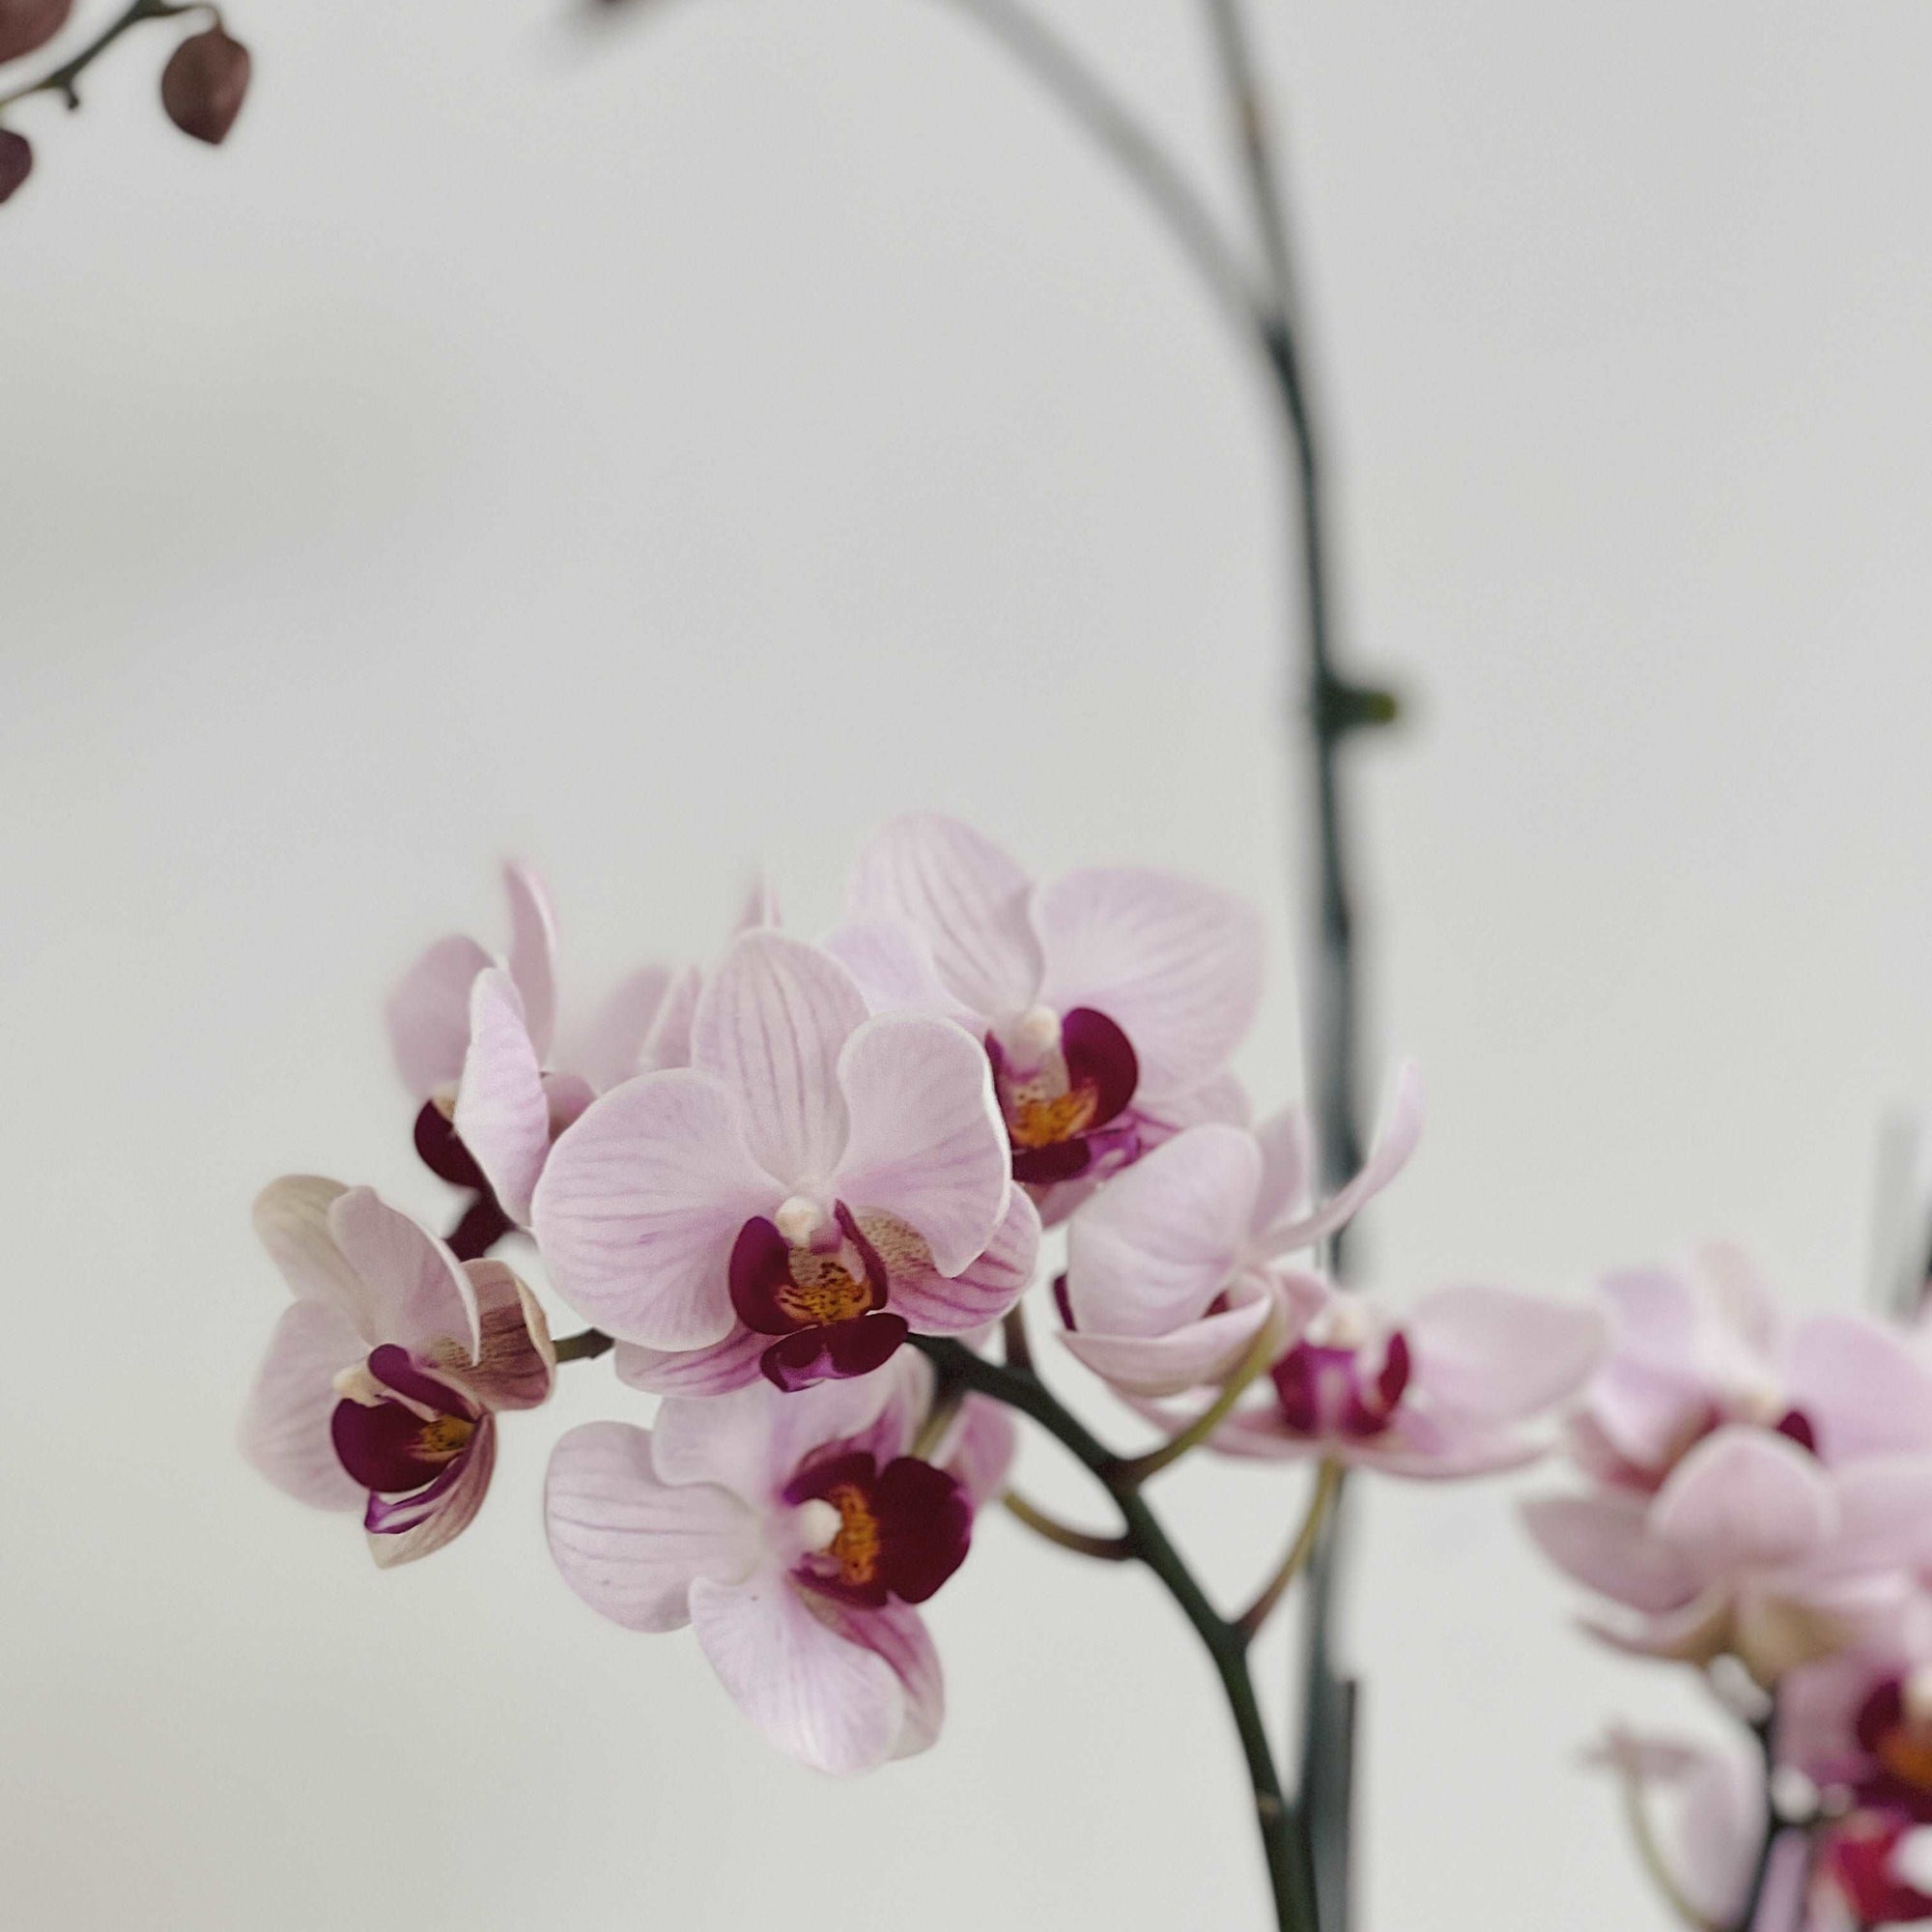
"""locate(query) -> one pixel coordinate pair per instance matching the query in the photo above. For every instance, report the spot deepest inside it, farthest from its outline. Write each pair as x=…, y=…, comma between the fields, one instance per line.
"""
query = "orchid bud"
x=27, y=24
x=16, y=161
x=203, y=84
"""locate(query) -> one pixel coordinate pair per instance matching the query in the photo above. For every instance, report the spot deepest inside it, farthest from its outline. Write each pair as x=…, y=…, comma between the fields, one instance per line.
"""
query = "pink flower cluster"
x=1760, y=1503
x=764, y=1179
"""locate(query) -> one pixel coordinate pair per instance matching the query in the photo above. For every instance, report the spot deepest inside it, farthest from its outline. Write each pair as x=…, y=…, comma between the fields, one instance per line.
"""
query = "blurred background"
x=663, y=449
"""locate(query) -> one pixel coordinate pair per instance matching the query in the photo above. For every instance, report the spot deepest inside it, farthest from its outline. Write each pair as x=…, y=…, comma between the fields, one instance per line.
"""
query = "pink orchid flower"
x=1696, y=1347
x=1109, y=999
x=475, y=1040
x=381, y=1385
x=1176, y=1268
x=795, y=1533
x=1751, y=1549
x=815, y=1184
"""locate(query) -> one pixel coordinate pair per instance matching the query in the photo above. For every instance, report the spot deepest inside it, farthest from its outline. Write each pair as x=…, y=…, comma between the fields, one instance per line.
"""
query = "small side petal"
x=982, y=1291
x=427, y=1014
x=927, y=1141
x=1193, y=1355
x=893, y=965
x=1155, y=1247
x=980, y=1453
x=515, y=1361
x=503, y=1112
x=638, y=1205
x=1604, y=1543
x=897, y=1634
x=1490, y=1353
x=292, y=1222
x=285, y=1426
x=1861, y=1388
x=629, y=1545
x=612, y=1048
x=1395, y=1140
x=534, y=954
x=821, y=1697
x=724, y=1366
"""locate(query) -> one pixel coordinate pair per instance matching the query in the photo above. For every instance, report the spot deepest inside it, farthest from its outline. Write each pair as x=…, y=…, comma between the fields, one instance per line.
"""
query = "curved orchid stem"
x=1148, y=1543
x=1136, y=1469
x=584, y=1347
x=1126, y=140
x=1651, y=1857
x=1327, y=1487
x=1765, y=1731
x=1083, y=1543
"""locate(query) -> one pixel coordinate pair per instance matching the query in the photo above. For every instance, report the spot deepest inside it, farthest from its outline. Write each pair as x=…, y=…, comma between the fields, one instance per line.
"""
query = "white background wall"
x=658, y=450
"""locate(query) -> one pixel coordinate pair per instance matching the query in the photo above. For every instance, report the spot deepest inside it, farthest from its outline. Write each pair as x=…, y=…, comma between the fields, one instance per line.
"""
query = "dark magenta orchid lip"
x=903, y=1529
x=1323, y=1389
x=389, y=1447
x=831, y=1324
x=1103, y=1073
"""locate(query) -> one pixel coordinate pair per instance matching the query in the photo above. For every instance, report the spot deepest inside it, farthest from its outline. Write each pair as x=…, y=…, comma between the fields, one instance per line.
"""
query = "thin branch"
x=1260, y=1352
x=1765, y=1731
x=1083, y=1543
x=64, y=78
x=1226, y=1648
x=1327, y=1487
x=1128, y=141
x=1013, y=1334
x=584, y=1347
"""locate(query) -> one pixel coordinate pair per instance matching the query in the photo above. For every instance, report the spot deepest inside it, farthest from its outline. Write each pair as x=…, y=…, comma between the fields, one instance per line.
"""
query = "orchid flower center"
x=811, y=1278
x=875, y=1533
x=397, y=1429
x=1346, y=1374
x=1063, y=1082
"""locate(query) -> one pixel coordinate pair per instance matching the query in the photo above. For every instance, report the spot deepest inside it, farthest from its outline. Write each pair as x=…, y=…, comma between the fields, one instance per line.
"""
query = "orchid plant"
x=841, y=1213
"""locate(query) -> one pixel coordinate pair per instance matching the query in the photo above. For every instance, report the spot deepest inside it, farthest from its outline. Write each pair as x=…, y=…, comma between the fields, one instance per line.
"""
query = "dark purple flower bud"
x=203, y=84
x=27, y=24
x=16, y=161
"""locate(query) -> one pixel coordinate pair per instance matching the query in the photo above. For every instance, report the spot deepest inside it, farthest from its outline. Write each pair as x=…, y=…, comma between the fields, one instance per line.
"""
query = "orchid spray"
x=800, y=1193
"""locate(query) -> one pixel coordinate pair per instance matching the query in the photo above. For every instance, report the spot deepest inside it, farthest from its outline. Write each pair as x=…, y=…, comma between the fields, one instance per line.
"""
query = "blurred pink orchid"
x=475, y=1040
x=817, y=1182
x=1108, y=1000
x=1176, y=1268
x=1751, y=1549
x=381, y=1385
x=795, y=1533
x=1697, y=1347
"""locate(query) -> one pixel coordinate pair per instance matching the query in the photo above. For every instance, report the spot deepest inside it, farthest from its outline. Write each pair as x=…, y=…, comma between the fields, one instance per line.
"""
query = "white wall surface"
x=659, y=450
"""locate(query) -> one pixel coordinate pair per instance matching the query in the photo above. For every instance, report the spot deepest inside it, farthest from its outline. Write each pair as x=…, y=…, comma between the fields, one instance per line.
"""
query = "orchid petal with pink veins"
x=285, y=1429
x=982, y=1291
x=1492, y=1353
x=771, y=1025
x=427, y=1014
x=1159, y=1244
x=835, y=1705
x=926, y=1142
x=1175, y=963
x=667, y=1044
x=751, y=1440
x=1745, y=1499
x=733, y=1363
x=534, y=954
x=1395, y=1140
x=418, y=1292
x=502, y=1111
x=897, y=1634
x=1287, y=1167
x=968, y=899
x=639, y=1204
x=631, y=1544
